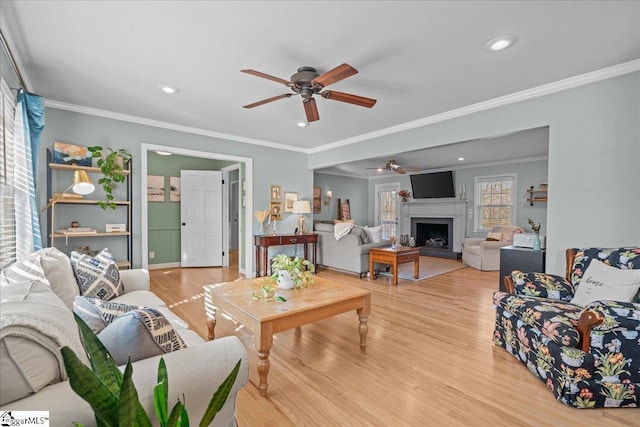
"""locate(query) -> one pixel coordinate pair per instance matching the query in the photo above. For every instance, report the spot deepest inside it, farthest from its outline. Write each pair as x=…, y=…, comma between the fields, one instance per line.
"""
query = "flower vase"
x=536, y=243
x=262, y=227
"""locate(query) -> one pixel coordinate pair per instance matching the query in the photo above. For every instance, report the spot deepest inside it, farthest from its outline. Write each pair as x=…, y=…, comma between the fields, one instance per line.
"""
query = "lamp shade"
x=301, y=207
x=329, y=194
x=81, y=183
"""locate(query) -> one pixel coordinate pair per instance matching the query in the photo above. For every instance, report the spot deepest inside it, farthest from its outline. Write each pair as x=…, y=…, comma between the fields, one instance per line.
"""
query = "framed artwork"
x=155, y=188
x=289, y=198
x=69, y=154
x=317, y=200
x=275, y=208
x=276, y=192
x=174, y=188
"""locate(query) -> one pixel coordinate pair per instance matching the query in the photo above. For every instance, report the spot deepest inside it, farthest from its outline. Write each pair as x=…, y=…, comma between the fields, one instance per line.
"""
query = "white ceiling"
x=417, y=58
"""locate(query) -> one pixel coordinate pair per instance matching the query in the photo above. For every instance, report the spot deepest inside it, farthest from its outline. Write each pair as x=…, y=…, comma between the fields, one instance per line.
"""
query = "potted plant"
x=111, y=165
x=292, y=273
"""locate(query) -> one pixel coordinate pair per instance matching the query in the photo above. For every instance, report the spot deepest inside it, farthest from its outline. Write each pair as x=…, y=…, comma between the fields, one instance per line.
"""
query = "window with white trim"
x=495, y=201
x=7, y=206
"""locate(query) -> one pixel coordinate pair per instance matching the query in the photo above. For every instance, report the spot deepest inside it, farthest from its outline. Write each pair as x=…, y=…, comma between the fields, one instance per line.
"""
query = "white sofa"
x=484, y=255
x=195, y=371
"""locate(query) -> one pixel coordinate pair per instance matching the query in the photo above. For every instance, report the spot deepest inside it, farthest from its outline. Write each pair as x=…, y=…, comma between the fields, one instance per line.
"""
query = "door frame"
x=225, y=211
x=389, y=186
x=246, y=244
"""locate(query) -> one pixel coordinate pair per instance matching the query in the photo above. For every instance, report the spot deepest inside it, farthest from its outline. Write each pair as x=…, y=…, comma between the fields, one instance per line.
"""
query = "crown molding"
x=165, y=125
x=558, y=86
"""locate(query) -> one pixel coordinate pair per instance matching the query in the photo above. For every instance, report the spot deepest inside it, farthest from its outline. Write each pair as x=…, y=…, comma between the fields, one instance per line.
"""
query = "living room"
x=590, y=111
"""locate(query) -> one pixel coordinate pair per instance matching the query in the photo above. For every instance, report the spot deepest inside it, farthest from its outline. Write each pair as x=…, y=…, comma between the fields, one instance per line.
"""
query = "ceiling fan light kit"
x=306, y=82
x=394, y=166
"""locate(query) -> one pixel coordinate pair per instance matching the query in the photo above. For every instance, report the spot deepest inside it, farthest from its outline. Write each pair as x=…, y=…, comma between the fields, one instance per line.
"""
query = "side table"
x=523, y=259
x=263, y=242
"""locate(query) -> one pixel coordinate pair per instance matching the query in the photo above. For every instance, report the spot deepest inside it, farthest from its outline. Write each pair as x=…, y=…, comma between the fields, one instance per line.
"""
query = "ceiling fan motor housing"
x=302, y=81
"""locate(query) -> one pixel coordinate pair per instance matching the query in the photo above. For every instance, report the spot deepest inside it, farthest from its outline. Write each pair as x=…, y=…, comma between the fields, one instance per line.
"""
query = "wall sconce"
x=328, y=199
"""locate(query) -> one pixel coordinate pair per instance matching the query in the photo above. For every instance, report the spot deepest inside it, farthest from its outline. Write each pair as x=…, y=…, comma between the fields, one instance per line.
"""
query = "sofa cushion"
x=97, y=313
x=48, y=265
x=555, y=319
x=542, y=285
x=623, y=258
x=98, y=276
x=140, y=334
x=34, y=324
x=360, y=233
x=603, y=282
x=342, y=229
x=327, y=228
x=374, y=234
x=494, y=236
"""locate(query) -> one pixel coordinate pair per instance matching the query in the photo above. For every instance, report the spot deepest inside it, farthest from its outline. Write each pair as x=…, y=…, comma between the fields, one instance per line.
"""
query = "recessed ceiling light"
x=460, y=158
x=500, y=43
x=169, y=89
x=163, y=153
x=302, y=124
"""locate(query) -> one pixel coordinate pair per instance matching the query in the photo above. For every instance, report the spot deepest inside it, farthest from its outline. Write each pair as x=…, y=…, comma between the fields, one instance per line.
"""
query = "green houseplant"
x=113, y=396
x=292, y=273
x=111, y=164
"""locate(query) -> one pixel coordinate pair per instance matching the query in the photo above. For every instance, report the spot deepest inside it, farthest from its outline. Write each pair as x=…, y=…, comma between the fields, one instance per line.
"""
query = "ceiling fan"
x=393, y=166
x=307, y=82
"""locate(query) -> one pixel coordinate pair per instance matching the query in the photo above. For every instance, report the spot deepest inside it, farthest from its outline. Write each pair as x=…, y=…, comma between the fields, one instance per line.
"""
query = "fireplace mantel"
x=438, y=208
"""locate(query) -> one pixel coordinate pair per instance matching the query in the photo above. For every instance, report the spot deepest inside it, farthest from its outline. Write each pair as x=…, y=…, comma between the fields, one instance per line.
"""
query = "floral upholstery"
x=537, y=325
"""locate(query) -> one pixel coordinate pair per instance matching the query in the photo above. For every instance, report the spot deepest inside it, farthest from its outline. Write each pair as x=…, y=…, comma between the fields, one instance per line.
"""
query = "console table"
x=523, y=259
x=263, y=242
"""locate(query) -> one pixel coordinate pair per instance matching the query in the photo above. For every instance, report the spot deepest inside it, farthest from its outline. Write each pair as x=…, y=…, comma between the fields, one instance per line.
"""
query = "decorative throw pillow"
x=98, y=276
x=140, y=334
x=359, y=231
x=341, y=229
x=603, y=282
x=494, y=236
x=97, y=313
x=374, y=234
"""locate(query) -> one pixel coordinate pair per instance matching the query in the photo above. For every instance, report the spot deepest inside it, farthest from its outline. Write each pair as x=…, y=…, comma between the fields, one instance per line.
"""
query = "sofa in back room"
x=349, y=252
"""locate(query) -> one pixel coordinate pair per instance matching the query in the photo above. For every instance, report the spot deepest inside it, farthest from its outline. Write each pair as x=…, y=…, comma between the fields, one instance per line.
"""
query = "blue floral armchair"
x=589, y=356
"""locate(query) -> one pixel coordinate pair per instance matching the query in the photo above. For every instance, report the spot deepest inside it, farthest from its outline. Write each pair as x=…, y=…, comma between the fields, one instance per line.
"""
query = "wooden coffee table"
x=322, y=299
x=394, y=257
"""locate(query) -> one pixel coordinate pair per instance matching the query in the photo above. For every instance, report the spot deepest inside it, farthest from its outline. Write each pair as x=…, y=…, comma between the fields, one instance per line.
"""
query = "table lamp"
x=81, y=185
x=301, y=207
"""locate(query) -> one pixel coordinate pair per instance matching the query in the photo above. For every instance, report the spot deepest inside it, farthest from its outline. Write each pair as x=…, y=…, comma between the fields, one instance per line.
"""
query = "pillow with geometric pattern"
x=140, y=334
x=97, y=313
x=97, y=277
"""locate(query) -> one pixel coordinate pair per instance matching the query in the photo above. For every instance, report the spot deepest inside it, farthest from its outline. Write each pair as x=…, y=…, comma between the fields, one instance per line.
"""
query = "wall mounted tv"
x=432, y=185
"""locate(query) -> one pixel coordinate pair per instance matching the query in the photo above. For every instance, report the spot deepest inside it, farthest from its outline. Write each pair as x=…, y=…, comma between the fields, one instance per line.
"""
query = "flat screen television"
x=432, y=185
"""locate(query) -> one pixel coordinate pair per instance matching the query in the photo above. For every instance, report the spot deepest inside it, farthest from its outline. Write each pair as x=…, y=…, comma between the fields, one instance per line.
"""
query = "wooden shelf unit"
x=536, y=195
x=53, y=235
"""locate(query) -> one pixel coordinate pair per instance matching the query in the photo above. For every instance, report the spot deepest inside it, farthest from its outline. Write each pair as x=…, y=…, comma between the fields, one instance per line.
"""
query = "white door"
x=201, y=218
x=387, y=209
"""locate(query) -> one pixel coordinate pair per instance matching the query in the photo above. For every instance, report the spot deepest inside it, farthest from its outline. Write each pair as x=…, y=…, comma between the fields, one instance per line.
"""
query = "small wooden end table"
x=394, y=257
x=322, y=299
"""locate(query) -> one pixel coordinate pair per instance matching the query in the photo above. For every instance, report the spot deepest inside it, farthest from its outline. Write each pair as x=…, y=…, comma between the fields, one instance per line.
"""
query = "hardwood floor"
x=429, y=361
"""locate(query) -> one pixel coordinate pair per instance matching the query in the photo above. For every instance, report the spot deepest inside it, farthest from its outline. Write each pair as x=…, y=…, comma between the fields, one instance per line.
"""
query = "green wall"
x=163, y=218
x=342, y=187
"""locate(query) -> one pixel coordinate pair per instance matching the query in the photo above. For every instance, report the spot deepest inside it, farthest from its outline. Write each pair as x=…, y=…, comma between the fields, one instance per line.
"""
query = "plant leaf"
x=176, y=412
x=220, y=396
x=161, y=393
x=128, y=401
x=87, y=385
x=281, y=298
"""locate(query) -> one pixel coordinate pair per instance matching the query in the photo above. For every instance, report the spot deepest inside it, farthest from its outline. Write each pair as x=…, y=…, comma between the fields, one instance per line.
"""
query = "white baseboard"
x=165, y=265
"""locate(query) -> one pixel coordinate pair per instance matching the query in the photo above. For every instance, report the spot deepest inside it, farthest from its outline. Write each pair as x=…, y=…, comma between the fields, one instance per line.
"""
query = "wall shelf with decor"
x=60, y=210
x=537, y=195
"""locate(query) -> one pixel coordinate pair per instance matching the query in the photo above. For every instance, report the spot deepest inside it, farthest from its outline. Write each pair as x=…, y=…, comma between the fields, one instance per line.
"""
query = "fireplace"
x=434, y=236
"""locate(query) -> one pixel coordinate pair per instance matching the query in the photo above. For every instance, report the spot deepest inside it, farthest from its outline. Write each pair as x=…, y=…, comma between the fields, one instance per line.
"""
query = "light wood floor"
x=429, y=361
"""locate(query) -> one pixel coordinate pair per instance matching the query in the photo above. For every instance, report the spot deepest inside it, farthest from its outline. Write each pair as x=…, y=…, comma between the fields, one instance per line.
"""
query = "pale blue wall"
x=594, y=153
x=353, y=189
x=84, y=129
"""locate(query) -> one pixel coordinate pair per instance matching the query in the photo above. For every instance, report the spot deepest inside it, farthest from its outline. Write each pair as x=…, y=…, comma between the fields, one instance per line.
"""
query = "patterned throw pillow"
x=140, y=334
x=97, y=313
x=98, y=276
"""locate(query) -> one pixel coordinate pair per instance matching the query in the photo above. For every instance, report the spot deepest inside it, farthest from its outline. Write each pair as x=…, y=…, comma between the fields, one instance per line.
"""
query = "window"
x=7, y=207
x=494, y=201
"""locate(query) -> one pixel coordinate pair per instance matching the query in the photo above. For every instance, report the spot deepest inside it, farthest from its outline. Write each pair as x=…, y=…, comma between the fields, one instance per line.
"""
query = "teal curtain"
x=29, y=123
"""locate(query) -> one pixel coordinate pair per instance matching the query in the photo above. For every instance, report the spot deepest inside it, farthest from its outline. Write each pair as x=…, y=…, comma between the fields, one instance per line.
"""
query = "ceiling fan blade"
x=311, y=109
x=341, y=72
x=349, y=98
x=264, y=101
x=412, y=169
x=400, y=171
x=267, y=76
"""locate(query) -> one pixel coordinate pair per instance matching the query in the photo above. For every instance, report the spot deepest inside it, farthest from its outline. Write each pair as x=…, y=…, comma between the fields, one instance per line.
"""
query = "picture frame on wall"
x=155, y=188
x=174, y=188
x=289, y=198
x=275, y=208
x=276, y=192
x=317, y=200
